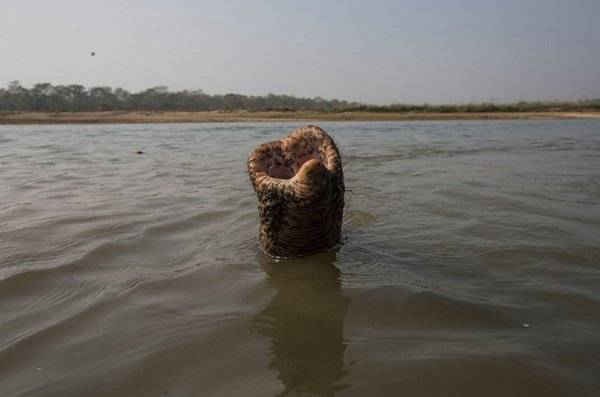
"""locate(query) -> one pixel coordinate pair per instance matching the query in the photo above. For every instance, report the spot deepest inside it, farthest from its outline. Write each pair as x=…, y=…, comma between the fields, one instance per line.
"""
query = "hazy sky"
x=372, y=51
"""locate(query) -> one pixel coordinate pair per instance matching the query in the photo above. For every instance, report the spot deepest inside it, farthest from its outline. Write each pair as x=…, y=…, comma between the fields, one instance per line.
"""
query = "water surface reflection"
x=305, y=323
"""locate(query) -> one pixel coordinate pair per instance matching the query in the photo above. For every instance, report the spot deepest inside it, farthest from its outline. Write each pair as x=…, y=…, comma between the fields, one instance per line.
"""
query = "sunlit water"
x=470, y=264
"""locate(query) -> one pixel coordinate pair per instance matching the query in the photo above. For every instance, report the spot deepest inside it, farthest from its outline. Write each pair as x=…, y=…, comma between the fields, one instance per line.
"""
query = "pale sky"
x=385, y=51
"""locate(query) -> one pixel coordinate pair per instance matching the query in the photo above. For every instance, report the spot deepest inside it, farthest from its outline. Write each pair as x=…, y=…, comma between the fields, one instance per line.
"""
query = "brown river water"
x=470, y=264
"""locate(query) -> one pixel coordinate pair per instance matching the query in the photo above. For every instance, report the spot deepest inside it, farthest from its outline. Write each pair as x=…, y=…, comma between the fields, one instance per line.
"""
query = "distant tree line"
x=45, y=97
x=488, y=107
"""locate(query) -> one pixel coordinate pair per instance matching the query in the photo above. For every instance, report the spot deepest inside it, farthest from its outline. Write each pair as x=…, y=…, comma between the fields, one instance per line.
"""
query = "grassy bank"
x=118, y=117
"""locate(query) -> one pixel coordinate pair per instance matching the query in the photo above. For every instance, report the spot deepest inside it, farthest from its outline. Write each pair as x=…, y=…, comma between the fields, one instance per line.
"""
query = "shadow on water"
x=305, y=323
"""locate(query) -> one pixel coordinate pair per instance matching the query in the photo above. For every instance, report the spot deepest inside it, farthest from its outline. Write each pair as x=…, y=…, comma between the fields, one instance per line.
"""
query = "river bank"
x=142, y=117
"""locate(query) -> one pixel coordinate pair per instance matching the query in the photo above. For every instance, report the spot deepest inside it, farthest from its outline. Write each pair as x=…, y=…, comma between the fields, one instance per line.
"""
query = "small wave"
x=424, y=152
x=357, y=219
x=404, y=309
x=187, y=223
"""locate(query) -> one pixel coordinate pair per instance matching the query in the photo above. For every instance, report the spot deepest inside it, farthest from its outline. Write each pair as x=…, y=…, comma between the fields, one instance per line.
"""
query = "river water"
x=470, y=264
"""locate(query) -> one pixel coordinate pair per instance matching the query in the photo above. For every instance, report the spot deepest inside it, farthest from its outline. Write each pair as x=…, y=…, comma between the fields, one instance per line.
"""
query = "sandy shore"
x=119, y=117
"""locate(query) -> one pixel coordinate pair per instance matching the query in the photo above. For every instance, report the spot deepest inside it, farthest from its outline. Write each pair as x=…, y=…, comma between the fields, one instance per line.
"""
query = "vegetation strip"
x=46, y=103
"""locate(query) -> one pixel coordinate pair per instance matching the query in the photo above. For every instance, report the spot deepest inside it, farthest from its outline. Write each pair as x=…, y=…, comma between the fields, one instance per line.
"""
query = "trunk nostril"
x=293, y=164
x=280, y=171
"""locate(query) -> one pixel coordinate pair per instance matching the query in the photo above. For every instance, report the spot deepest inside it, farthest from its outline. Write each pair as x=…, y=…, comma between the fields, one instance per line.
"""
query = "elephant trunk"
x=299, y=183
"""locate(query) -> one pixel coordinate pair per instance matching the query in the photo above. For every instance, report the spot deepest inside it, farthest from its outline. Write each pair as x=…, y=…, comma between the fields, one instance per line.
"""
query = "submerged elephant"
x=299, y=182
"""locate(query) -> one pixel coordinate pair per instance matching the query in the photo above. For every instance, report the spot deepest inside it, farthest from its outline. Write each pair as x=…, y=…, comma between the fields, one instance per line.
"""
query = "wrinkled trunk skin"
x=299, y=183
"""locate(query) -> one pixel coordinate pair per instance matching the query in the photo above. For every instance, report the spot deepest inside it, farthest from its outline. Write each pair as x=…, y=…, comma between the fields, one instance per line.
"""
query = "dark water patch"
x=141, y=314
x=406, y=310
x=45, y=316
x=577, y=257
x=560, y=301
x=514, y=375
